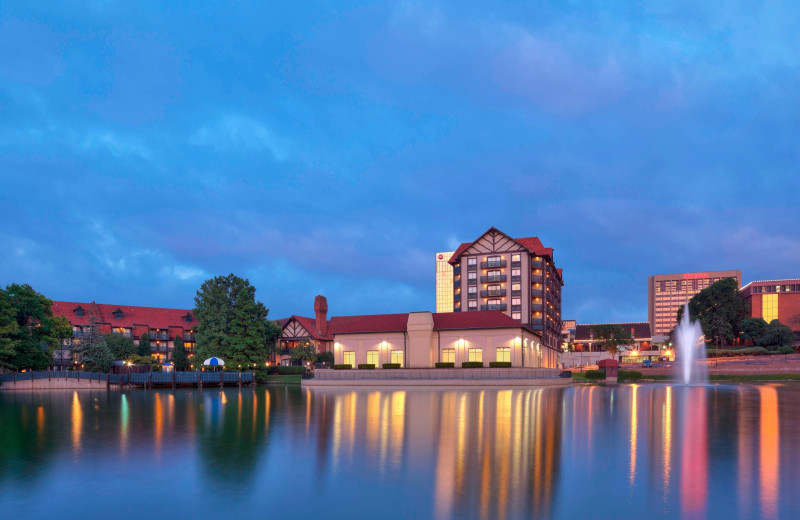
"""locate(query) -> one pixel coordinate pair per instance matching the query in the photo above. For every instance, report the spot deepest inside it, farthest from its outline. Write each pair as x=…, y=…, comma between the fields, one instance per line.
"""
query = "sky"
x=333, y=147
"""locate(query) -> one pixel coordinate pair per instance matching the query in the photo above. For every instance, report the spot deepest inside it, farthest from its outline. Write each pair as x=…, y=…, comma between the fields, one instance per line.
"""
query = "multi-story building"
x=161, y=325
x=669, y=292
x=444, y=282
x=568, y=333
x=514, y=275
x=775, y=300
x=585, y=340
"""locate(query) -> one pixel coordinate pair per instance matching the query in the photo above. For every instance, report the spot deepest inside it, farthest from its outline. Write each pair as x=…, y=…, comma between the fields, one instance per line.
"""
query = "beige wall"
x=384, y=343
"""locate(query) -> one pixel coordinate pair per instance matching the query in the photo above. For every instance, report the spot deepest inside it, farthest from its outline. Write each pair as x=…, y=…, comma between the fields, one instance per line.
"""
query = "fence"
x=437, y=374
x=148, y=378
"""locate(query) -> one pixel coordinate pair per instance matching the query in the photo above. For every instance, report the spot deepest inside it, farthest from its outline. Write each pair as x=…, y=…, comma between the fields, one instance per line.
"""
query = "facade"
x=162, y=325
x=444, y=282
x=568, y=328
x=298, y=329
x=669, y=292
x=640, y=333
x=515, y=276
x=775, y=300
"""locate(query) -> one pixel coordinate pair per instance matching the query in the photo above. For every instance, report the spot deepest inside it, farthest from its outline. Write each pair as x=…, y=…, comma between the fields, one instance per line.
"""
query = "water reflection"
x=602, y=452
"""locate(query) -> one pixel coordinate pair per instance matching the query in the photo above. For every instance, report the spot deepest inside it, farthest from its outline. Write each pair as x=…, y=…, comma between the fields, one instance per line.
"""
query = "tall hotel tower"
x=513, y=275
x=444, y=282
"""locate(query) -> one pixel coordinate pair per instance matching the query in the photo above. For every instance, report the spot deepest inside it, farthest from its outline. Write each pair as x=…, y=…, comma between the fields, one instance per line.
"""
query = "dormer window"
x=79, y=311
x=118, y=314
x=188, y=318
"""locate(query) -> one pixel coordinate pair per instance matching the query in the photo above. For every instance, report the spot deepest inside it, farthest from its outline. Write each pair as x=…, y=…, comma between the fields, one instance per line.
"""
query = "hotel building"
x=444, y=282
x=669, y=292
x=161, y=325
x=418, y=339
x=514, y=275
x=775, y=300
x=585, y=340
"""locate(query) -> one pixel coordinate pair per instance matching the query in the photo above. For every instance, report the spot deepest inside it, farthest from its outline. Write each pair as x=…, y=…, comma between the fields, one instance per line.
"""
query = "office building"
x=669, y=292
x=514, y=275
x=444, y=282
x=775, y=300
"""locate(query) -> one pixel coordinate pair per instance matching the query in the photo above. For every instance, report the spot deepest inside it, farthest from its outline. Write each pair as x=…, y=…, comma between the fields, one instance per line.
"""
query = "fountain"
x=690, y=349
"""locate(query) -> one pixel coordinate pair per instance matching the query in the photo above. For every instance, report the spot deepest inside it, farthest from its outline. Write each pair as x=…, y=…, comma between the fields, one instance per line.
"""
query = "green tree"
x=34, y=337
x=752, y=328
x=143, y=348
x=719, y=309
x=121, y=347
x=776, y=335
x=179, y=358
x=611, y=337
x=305, y=351
x=325, y=357
x=232, y=325
x=96, y=356
x=9, y=337
x=61, y=332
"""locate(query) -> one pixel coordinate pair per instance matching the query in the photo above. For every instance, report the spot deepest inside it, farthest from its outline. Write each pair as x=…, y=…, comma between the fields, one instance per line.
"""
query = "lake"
x=630, y=451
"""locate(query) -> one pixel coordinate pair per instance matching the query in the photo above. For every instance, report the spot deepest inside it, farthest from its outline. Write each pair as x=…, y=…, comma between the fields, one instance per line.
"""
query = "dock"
x=54, y=380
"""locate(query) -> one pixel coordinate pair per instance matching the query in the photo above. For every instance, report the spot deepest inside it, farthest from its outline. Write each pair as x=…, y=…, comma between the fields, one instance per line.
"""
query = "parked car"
x=647, y=363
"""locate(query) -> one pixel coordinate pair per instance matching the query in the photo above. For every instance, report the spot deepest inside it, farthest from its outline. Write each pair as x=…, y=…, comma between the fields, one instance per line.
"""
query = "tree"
x=33, y=341
x=179, y=358
x=143, y=348
x=232, y=325
x=752, y=328
x=8, y=331
x=719, y=309
x=611, y=337
x=776, y=335
x=122, y=347
x=61, y=331
x=305, y=351
x=325, y=357
x=96, y=356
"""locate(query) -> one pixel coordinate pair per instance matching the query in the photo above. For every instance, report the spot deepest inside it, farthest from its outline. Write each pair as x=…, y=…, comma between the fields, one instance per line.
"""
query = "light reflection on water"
x=580, y=452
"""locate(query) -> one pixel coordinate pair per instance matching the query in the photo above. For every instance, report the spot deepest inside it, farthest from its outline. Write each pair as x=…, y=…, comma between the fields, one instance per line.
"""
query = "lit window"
x=504, y=354
x=449, y=355
x=349, y=358
x=397, y=357
x=515, y=287
x=472, y=275
x=472, y=261
x=515, y=258
x=516, y=301
x=769, y=307
x=473, y=304
x=516, y=315
x=476, y=354
x=515, y=272
x=372, y=357
x=473, y=289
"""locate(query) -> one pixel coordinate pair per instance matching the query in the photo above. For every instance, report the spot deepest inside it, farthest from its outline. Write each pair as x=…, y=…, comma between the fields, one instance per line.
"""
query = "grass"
x=292, y=379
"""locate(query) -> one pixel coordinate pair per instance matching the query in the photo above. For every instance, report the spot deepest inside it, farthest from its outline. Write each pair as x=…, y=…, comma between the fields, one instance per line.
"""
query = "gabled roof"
x=532, y=244
x=153, y=317
x=641, y=330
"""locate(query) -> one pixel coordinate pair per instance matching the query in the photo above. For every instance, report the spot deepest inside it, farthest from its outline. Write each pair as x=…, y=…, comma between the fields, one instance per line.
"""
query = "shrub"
x=342, y=367
x=472, y=364
x=595, y=374
x=286, y=371
x=785, y=350
x=445, y=364
x=749, y=351
x=628, y=375
x=499, y=364
x=366, y=366
x=325, y=358
x=391, y=365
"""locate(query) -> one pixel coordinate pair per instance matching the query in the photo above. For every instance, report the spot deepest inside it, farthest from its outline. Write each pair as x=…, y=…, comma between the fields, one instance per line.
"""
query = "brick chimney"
x=321, y=314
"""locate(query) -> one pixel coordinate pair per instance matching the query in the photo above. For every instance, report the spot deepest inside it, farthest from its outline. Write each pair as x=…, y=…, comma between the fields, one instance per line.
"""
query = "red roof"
x=474, y=320
x=532, y=244
x=153, y=317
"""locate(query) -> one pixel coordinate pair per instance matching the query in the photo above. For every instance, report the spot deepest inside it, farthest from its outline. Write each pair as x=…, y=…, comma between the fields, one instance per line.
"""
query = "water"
x=690, y=349
x=630, y=451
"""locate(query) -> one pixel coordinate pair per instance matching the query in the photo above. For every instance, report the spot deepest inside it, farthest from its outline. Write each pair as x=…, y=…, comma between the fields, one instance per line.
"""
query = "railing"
x=537, y=306
x=492, y=264
x=494, y=307
x=125, y=334
x=516, y=278
x=493, y=279
x=437, y=374
x=188, y=337
x=536, y=278
x=493, y=292
x=516, y=264
x=158, y=336
x=143, y=378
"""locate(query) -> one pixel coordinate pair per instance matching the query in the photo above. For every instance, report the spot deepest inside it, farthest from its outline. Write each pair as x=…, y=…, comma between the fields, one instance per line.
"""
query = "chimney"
x=321, y=314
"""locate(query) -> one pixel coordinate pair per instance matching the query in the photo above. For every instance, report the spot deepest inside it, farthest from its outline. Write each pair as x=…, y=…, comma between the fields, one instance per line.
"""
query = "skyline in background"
x=333, y=149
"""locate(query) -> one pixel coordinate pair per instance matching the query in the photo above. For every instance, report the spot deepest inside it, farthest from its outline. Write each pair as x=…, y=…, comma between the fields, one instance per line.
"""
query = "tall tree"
x=232, y=325
x=143, y=348
x=719, y=309
x=33, y=314
x=122, y=347
x=61, y=332
x=179, y=358
x=611, y=337
x=96, y=356
x=305, y=351
x=776, y=335
x=752, y=328
x=8, y=331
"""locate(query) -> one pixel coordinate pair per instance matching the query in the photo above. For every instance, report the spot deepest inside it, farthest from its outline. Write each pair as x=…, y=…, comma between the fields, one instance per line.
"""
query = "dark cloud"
x=334, y=148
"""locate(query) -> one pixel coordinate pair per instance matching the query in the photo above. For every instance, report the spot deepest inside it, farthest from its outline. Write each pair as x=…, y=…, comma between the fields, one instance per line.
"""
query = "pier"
x=55, y=380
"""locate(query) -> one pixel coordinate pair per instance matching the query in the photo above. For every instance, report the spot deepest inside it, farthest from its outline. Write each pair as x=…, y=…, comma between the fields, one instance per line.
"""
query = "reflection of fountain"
x=691, y=349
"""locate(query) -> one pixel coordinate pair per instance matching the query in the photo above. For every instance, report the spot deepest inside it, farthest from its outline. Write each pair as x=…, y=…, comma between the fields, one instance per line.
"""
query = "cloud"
x=116, y=145
x=234, y=132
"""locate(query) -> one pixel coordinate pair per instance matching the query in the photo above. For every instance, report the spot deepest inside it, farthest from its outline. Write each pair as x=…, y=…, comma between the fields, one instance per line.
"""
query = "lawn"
x=276, y=379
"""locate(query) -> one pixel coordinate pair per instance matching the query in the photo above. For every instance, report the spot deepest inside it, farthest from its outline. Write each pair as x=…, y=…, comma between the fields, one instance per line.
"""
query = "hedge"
x=445, y=364
x=472, y=364
x=366, y=366
x=628, y=375
x=289, y=371
x=342, y=367
x=785, y=350
x=499, y=364
x=595, y=374
x=391, y=365
x=749, y=351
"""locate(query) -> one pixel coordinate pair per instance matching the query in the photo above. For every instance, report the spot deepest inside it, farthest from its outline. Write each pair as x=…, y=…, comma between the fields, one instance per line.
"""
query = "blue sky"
x=333, y=147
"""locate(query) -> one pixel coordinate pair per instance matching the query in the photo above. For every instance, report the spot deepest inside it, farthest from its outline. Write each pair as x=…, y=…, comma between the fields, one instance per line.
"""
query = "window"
x=494, y=288
x=476, y=354
x=349, y=358
x=504, y=354
x=473, y=304
x=515, y=272
x=397, y=357
x=79, y=311
x=516, y=315
x=473, y=289
x=769, y=307
x=472, y=261
x=187, y=318
x=372, y=357
x=472, y=275
x=515, y=258
x=118, y=314
x=516, y=287
x=449, y=355
x=495, y=301
x=516, y=301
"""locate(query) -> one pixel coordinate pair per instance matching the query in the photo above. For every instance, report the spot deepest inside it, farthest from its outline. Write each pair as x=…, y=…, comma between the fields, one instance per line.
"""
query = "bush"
x=628, y=375
x=749, y=351
x=595, y=374
x=472, y=364
x=785, y=350
x=445, y=364
x=287, y=371
x=499, y=364
x=366, y=366
x=391, y=365
x=342, y=367
x=325, y=357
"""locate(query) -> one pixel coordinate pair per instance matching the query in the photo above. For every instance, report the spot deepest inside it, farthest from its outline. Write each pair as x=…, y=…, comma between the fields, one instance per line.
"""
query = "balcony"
x=516, y=293
x=491, y=264
x=189, y=337
x=537, y=263
x=536, y=278
x=494, y=307
x=472, y=281
x=493, y=279
x=473, y=267
x=516, y=278
x=537, y=323
x=125, y=334
x=457, y=296
x=493, y=293
x=537, y=306
x=158, y=336
x=516, y=307
x=516, y=264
